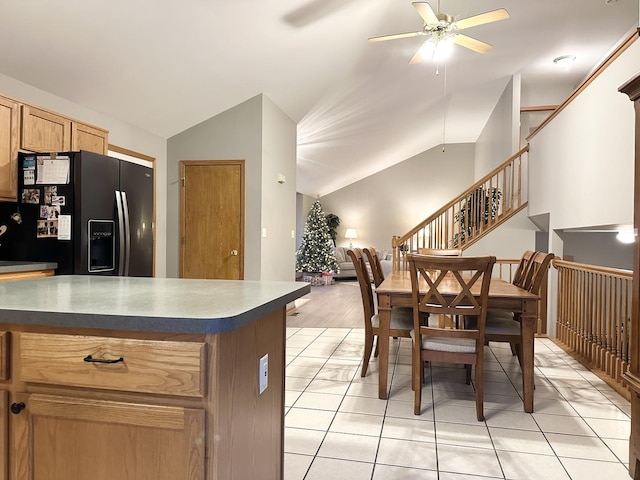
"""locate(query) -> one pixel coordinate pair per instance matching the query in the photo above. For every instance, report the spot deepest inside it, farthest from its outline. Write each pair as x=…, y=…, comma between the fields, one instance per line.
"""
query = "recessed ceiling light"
x=565, y=61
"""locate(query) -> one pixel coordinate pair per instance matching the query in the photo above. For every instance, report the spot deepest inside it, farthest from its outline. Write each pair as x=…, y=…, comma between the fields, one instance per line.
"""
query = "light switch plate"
x=263, y=373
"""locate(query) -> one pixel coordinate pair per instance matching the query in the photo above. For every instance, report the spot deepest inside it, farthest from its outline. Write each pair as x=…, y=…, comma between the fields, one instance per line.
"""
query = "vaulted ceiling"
x=166, y=65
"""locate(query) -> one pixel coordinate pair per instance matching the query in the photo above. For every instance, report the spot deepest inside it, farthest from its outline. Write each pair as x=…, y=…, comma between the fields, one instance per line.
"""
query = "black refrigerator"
x=90, y=213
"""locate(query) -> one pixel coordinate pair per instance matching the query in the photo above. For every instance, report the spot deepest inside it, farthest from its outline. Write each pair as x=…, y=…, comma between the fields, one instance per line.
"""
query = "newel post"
x=632, y=376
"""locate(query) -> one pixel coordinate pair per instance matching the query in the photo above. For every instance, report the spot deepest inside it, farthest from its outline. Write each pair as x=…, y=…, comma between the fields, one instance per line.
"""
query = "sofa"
x=347, y=270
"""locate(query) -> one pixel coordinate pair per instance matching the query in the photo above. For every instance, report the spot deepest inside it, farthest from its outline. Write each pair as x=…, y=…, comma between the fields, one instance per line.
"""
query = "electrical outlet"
x=263, y=373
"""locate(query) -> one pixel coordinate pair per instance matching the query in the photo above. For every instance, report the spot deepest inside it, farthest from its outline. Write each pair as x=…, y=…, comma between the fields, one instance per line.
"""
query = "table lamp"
x=351, y=234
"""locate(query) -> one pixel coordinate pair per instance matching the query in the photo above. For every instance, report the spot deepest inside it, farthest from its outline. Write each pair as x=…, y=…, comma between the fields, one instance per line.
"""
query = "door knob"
x=234, y=253
x=17, y=407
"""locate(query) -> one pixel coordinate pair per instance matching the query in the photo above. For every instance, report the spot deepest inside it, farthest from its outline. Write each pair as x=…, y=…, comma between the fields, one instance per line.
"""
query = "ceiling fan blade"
x=417, y=58
x=487, y=17
x=426, y=12
x=394, y=36
x=472, y=43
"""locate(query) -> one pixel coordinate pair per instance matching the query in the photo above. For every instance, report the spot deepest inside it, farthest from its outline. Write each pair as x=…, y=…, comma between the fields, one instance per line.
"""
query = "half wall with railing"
x=594, y=315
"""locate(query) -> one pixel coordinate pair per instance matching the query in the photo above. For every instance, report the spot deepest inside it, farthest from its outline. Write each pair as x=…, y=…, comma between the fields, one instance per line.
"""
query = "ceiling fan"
x=442, y=30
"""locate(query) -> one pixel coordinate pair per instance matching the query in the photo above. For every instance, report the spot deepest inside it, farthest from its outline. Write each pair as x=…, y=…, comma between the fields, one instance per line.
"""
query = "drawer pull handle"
x=90, y=359
x=17, y=407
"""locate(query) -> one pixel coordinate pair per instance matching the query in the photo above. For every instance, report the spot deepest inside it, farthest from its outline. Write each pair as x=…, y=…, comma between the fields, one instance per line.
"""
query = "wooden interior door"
x=212, y=219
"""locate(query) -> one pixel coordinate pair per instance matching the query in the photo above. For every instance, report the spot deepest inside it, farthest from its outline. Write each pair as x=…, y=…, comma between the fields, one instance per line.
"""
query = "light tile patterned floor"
x=337, y=428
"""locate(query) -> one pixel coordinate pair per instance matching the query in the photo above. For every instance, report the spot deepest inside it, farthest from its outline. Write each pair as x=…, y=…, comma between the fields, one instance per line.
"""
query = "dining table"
x=395, y=291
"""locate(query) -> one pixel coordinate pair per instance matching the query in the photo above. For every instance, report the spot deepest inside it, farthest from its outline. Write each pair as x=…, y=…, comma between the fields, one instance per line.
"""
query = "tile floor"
x=337, y=428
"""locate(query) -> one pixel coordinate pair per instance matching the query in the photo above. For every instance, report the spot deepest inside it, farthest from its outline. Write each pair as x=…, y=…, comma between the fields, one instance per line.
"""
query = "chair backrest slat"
x=365, y=285
x=376, y=266
x=536, y=271
x=519, y=275
x=450, y=286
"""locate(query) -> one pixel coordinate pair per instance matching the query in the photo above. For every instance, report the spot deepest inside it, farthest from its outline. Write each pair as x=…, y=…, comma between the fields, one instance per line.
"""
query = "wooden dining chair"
x=504, y=326
x=401, y=318
x=442, y=252
x=449, y=286
x=520, y=273
x=376, y=266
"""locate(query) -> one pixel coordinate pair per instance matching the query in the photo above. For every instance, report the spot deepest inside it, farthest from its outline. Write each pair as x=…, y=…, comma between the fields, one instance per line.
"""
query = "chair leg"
x=416, y=374
x=375, y=353
x=514, y=350
x=468, y=374
x=368, y=346
x=480, y=391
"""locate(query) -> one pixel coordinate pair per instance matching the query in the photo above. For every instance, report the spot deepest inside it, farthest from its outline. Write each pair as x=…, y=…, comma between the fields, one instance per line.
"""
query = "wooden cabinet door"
x=44, y=131
x=86, y=137
x=68, y=438
x=4, y=435
x=8, y=148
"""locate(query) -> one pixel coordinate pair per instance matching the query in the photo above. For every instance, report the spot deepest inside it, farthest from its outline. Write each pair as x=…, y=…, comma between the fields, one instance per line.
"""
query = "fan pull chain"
x=444, y=114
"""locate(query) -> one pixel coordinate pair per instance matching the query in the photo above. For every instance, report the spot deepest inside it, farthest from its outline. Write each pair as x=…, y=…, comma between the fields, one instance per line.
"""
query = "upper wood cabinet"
x=9, y=119
x=86, y=137
x=43, y=131
x=32, y=129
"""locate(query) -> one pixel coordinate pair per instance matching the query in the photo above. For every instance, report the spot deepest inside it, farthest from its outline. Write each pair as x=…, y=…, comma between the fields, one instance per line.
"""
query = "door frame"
x=186, y=163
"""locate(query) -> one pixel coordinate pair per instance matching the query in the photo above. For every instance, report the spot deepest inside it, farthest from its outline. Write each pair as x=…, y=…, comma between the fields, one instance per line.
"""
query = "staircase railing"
x=464, y=220
x=594, y=316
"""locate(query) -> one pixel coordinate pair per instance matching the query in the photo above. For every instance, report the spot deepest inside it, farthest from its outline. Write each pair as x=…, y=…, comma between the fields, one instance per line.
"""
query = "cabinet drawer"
x=148, y=366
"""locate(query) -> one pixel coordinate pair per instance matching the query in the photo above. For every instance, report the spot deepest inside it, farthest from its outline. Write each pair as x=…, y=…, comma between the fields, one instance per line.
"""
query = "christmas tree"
x=316, y=252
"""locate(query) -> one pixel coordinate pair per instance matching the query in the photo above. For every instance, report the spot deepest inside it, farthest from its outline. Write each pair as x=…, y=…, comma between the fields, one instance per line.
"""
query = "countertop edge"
x=19, y=267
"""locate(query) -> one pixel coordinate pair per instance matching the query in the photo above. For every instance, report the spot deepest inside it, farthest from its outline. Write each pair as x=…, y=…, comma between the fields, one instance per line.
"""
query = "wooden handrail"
x=468, y=217
x=557, y=263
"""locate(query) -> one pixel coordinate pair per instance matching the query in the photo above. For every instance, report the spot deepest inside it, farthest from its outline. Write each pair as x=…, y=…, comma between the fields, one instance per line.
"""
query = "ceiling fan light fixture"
x=442, y=49
x=564, y=61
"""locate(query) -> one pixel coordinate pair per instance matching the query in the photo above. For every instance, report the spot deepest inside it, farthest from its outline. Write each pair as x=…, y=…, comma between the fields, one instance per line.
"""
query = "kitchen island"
x=141, y=378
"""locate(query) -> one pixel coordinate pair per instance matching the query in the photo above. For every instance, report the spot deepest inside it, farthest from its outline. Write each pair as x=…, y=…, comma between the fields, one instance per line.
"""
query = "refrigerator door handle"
x=127, y=238
x=121, y=227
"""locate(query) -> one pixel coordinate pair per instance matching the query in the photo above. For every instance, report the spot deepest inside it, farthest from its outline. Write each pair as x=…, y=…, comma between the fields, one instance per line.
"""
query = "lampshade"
x=351, y=233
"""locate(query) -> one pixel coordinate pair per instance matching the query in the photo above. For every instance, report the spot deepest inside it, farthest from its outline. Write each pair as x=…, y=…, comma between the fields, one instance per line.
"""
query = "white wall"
x=259, y=133
x=510, y=240
x=120, y=134
x=278, y=199
x=581, y=163
x=393, y=201
x=499, y=138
